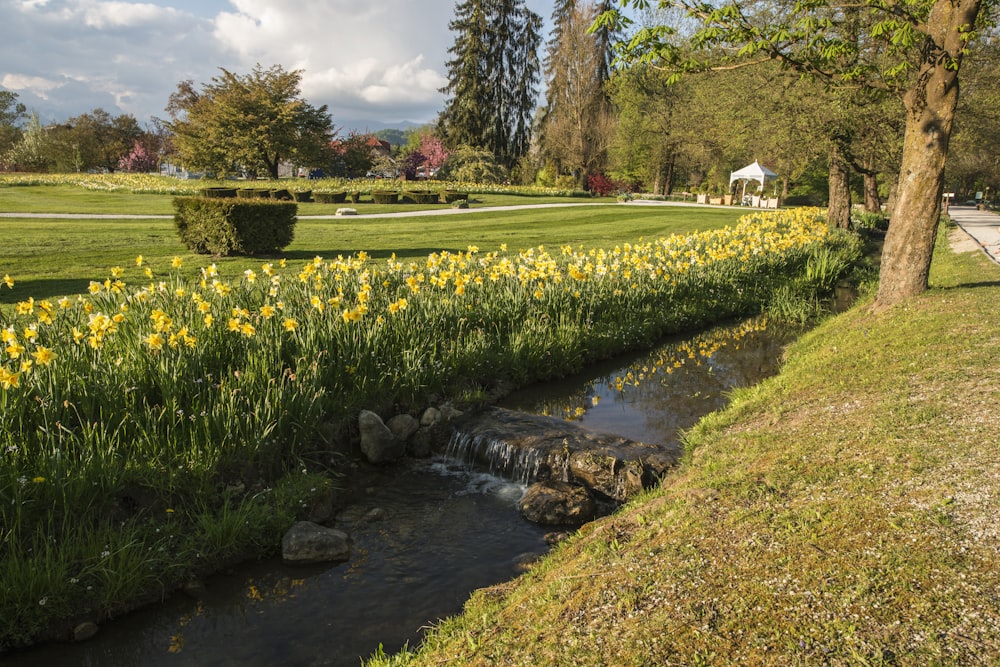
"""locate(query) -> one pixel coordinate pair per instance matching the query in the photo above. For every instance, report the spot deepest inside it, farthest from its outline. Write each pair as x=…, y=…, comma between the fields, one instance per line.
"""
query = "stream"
x=425, y=534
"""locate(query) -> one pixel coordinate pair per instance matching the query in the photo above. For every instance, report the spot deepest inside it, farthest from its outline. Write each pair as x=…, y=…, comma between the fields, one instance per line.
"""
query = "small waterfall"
x=502, y=459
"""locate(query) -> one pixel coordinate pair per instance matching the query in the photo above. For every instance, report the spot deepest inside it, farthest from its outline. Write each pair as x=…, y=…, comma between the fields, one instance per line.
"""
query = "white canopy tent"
x=752, y=172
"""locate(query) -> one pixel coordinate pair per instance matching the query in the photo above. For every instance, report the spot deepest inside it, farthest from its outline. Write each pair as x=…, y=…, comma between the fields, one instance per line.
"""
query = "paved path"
x=982, y=226
x=400, y=214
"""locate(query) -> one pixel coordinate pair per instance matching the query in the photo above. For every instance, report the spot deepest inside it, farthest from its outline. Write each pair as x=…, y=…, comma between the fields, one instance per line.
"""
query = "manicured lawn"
x=53, y=257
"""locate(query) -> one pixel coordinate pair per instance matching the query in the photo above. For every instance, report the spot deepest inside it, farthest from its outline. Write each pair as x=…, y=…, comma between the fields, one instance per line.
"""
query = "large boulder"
x=307, y=542
x=553, y=503
x=403, y=426
x=378, y=443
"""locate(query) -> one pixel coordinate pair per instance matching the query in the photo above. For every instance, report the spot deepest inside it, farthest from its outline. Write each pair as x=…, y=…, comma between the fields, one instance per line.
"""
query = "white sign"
x=949, y=195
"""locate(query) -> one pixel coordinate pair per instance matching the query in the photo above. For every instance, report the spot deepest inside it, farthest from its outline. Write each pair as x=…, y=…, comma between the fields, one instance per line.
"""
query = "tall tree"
x=577, y=124
x=919, y=48
x=12, y=114
x=492, y=77
x=254, y=122
x=30, y=153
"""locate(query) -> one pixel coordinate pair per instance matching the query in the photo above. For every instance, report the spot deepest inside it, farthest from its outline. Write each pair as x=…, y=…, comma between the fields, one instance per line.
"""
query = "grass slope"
x=844, y=512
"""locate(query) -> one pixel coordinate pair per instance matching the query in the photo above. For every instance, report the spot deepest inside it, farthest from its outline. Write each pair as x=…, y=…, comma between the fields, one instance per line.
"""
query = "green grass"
x=75, y=199
x=52, y=257
x=841, y=513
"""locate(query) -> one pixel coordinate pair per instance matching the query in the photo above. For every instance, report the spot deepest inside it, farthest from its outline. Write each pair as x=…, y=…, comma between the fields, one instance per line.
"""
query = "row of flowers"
x=166, y=185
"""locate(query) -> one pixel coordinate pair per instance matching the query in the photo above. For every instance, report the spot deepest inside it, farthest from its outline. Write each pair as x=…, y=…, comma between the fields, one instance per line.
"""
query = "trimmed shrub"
x=303, y=195
x=211, y=225
x=245, y=193
x=218, y=192
x=282, y=195
x=421, y=196
x=452, y=196
x=385, y=196
x=330, y=197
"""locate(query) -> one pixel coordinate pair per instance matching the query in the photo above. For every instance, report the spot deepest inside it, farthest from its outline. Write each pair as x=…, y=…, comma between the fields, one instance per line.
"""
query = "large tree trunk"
x=839, y=212
x=930, y=110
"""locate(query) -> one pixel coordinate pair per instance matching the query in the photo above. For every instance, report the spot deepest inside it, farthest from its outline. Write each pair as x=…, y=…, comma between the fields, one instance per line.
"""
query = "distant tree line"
x=660, y=111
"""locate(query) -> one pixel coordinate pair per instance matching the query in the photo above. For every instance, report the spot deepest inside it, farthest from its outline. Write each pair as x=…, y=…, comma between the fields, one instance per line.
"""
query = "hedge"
x=385, y=196
x=234, y=226
x=330, y=197
x=421, y=196
x=452, y=196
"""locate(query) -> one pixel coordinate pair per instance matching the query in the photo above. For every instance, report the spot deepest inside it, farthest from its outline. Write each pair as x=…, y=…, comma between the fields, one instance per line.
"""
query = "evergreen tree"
x=492, y=77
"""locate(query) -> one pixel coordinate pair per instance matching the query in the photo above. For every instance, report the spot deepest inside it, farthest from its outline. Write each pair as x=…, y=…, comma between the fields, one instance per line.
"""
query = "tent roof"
x=752, y=172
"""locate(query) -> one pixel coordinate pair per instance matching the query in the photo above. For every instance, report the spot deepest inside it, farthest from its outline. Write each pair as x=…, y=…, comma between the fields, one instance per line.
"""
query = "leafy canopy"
x=869, y=42
x=252, y=122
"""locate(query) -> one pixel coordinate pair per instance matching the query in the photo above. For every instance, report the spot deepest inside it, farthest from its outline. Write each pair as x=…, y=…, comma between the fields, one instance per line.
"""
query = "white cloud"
x=35, y=85
x=103, y=15
x=378, y=61
x=387, y=57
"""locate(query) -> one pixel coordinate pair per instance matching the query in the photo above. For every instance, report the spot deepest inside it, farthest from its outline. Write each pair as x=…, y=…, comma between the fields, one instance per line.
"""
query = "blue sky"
x=379, y=62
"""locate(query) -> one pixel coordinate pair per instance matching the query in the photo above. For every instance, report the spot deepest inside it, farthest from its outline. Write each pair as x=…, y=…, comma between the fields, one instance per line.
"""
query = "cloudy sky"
x=381, y=64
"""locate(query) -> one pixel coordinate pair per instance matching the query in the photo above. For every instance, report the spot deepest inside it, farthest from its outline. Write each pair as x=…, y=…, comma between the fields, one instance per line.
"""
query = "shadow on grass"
x=984, y=283
x=44, y=288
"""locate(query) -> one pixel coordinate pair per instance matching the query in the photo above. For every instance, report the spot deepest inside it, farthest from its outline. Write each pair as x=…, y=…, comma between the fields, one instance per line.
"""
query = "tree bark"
x=838, y=214
x=873, y=203
x=930, y=109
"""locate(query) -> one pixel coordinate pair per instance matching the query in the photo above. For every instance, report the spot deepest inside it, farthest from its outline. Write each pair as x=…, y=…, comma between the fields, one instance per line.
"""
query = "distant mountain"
x=347, y=126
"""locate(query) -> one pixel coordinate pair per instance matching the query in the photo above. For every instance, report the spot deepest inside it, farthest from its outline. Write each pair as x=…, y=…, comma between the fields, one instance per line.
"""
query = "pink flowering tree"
x=139, y=159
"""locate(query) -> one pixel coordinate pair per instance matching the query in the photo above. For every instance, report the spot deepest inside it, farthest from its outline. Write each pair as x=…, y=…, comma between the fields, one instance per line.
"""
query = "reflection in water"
x=655, y=395
x=424, y=538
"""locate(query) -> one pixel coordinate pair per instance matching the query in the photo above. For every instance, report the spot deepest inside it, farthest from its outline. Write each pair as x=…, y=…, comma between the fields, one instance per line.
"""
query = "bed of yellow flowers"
x=167, y=185
x=138, y=403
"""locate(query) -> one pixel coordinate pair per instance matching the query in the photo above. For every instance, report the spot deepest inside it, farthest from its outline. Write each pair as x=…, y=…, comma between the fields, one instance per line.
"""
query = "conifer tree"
x=492, y=77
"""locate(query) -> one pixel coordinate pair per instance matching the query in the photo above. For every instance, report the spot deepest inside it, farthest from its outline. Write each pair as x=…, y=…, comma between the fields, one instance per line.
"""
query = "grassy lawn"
x=842, y=513
x=75, y=199
x=52, y=257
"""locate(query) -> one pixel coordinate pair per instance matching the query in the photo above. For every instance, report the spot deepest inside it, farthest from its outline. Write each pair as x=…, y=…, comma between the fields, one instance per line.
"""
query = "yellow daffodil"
x=44, y=356
x=8, y=380
x=154, y=341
